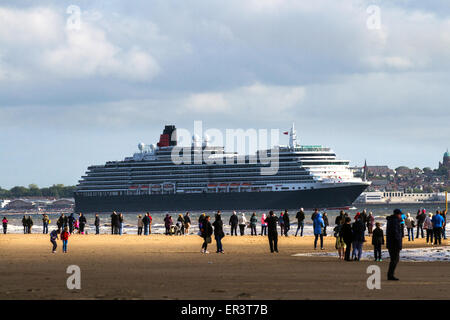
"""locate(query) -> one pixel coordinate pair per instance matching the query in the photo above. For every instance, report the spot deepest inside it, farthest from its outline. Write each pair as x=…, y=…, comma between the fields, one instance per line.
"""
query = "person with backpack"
x=65, y=239
x=300, y=222
x=206, y=232
x=234, y=223
x=377, y=241
x=5, y=224
x=218, y=233
x=272, y=234
x=253, y=221
x=97, y=224
x=53, y=238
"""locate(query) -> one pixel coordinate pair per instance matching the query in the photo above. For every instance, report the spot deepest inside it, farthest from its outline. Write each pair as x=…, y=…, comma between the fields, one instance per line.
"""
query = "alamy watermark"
x=374, y=280
x=74, y=280
x=373, y=21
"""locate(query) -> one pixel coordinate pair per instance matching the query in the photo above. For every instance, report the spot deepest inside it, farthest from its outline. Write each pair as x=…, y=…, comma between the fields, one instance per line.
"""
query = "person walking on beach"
x=25, y=225
x=347, y=236
x=340, y=243
x=410, y=224
x=218, y=233
x=318, y=226
x=242, y=223
x=438, y=222
x=187, y=223
x=325, y=222
x=65, y=238
x=394, y=241
x=377, y=241
x=428, y=226
x=5, y=224
x=180, y=220
x=263, y=225
x=300, y=222
x=45, y=221
x=29, y=224
x=97, y=224
x=53, y=238
x=234, y=223
x=140, y=225
x=370, y=222
x=420, y=218
x=82, y=221
x=206, y=233
x=272, y=234
x=358, y=229
x=71, y=222
x=146, y=223
x=281, y=223
x=253, y=221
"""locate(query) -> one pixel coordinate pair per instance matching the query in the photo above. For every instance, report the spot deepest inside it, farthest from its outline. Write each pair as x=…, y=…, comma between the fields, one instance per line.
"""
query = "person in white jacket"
x=410, y=224
x=428, y=226
x=242, y=223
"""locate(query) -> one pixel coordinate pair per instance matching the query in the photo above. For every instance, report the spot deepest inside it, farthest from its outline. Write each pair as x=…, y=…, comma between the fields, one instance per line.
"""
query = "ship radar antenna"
x=293, y=137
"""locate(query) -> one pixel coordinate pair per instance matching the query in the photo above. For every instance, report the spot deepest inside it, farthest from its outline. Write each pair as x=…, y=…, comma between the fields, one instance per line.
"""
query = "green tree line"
x=56, y=190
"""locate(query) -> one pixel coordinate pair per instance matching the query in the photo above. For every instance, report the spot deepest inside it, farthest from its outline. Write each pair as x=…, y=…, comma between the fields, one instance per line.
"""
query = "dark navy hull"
x=334, y=197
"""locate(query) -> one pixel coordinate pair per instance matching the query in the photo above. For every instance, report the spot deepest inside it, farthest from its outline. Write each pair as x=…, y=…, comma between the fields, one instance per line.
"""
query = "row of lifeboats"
x=224, y=185
x=154, y=187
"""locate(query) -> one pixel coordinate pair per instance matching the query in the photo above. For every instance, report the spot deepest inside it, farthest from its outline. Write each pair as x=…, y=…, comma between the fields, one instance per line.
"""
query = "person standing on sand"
x=206, y=233
x=65, y=238
x=53, y=238
x=358, y=229
x=168, y=223
x=187, y=223
x=29, y=224
x=340, y=243
x=181, y=221
x=370, y=222
x=347, y=236
x=325, y=222
x=234, y=223
x=272, y=234
x=146, y=222
x=420, y=218
x=45, y=221
x=318, y=226
x=97, y=224
x=394, y=241
x=444, y=225
x=121, y=223
x=113, y=221
x=428, y=226
x=25, y=225
x=281, y=223
x=263, y=225
x=60, y=222
x=287, y=222
x=409, y=222
x=71, y=222
x=117, y=224
x=242, y=223
x=5, y=224
x=313, y=216
x=200, y=222
x=82, y=220
x=340, y=219
x=438, y=222
x=140, y=225
x=253, y=221
x=377, y=241
x=218, y=233
x=300, y=222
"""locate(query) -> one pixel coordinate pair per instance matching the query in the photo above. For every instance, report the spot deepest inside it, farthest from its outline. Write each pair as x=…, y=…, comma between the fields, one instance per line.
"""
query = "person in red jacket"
x=65, y=238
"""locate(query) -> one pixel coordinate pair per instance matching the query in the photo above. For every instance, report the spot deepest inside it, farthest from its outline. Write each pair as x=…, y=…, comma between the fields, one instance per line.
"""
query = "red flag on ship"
x=286, y=132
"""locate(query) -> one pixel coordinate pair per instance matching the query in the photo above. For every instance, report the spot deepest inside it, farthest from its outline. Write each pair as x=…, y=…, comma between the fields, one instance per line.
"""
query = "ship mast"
x=292, y=137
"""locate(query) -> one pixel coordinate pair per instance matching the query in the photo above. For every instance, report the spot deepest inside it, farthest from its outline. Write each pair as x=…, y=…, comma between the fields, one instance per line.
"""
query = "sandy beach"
x=172, y=267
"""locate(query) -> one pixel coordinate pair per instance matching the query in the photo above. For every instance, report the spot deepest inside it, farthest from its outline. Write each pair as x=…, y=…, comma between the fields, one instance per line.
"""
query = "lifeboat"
x=133, y=187
x=235, y=184
x=144, y=187
x=168, y=186
x=223, y=185
x=212, y=185
x=156, y=186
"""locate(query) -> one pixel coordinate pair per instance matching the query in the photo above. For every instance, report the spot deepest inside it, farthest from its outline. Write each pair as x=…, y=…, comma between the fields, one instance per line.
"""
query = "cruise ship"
x=209, y=178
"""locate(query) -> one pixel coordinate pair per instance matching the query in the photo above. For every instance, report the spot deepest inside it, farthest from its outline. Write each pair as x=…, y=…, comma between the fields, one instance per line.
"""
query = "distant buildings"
x=37, y=204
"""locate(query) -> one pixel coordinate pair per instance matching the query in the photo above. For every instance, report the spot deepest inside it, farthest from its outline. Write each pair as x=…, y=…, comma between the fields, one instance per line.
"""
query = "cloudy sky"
x=75, y=92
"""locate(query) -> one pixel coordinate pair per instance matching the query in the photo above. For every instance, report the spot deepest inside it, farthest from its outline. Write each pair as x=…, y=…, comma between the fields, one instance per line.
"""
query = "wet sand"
x=172, y=267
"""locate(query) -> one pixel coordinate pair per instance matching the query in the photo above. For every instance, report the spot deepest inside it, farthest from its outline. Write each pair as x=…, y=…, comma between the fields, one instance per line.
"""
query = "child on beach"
x=377, y=241
x=5, y=224
x=65, y=237
x=53, y=238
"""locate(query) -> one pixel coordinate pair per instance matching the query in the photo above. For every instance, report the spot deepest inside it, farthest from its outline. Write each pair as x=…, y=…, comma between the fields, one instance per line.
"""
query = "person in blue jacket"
x=438, y=222
x=402, y=224
x=394, y=241
x=319, y=225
